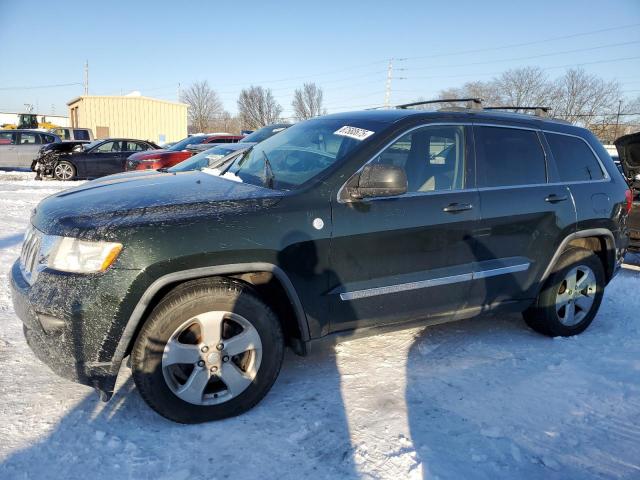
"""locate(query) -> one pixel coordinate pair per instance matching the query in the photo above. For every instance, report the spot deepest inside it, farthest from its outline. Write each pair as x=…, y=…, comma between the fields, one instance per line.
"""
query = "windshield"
x=185, y=142
x=301, y=152
x=264, y=133
x=207, y=159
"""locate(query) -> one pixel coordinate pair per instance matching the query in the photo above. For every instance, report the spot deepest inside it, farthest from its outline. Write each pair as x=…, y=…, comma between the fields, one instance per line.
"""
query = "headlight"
x=81, y=256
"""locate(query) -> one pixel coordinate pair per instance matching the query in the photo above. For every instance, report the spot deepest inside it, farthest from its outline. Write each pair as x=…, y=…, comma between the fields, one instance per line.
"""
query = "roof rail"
x=537, y=111
x=472, y=103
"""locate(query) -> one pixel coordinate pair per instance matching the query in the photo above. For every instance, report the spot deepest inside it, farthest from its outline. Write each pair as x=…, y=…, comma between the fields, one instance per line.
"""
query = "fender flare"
x=191, y=274
x=591, y=232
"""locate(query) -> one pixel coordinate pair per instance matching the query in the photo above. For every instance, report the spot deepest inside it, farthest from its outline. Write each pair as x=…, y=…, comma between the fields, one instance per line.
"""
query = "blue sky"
x=153, y=46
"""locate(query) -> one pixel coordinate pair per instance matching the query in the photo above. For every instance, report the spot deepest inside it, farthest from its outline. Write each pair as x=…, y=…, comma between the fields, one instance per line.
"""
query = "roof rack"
x=537, y=111
x=472, y=103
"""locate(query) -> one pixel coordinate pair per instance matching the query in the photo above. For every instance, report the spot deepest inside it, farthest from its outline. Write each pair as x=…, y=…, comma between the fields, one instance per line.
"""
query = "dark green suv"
x=338, y=225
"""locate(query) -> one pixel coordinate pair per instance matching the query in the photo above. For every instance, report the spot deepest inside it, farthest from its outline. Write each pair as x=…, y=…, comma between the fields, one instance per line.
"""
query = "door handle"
x=553, y=198
x=457, y=207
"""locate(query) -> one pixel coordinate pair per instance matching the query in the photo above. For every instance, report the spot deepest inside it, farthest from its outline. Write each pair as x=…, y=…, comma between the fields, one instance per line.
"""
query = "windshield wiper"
x=269, y=177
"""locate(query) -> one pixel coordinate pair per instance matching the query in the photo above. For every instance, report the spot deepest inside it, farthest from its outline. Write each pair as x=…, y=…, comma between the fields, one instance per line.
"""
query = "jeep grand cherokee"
x=340, y=224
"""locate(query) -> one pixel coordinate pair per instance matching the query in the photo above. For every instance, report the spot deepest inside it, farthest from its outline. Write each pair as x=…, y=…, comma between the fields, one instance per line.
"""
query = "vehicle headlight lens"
x=82, y=256
x=149, y=160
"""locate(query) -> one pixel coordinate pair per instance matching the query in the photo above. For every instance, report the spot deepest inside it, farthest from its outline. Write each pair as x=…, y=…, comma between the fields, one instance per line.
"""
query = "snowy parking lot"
x=484, y=398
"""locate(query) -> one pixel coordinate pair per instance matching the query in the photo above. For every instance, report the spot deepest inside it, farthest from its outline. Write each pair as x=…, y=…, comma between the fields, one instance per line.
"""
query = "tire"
x=563, y=311
x=64, y=171
x=173, y=372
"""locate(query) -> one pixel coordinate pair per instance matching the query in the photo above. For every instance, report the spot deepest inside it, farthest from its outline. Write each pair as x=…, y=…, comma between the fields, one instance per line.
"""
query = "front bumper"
x=73, y=323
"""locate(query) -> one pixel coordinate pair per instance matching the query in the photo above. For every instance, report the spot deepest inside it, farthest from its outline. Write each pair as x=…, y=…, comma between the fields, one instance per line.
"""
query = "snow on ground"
x=484, y=398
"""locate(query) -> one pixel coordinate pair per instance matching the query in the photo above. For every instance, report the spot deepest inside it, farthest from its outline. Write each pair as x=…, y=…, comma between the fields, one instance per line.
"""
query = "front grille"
x=30, y=252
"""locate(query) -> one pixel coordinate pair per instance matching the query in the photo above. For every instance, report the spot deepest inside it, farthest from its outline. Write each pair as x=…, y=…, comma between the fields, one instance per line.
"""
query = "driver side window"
x=433, y=158
x=108, y=147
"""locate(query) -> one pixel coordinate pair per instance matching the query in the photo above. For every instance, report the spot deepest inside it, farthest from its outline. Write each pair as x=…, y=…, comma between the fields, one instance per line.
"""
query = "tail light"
x=629, y=197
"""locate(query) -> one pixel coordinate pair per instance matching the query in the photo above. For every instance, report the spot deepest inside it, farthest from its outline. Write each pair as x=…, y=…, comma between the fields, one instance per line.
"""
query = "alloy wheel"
x=576, y=295
x=63, y=171
x=212, y=358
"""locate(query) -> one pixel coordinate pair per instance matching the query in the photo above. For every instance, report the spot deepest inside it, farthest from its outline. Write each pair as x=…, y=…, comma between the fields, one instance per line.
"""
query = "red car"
x=175, y=154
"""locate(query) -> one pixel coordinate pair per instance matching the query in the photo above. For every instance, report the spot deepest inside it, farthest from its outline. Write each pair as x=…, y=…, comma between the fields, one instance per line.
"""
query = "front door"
x=524, y=213
x=28, y=147
x=410, y=256
x=100, y=161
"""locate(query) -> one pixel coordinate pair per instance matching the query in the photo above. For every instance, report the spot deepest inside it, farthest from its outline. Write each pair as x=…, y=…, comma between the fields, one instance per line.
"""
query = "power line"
x=528, y=57
x=36, y=87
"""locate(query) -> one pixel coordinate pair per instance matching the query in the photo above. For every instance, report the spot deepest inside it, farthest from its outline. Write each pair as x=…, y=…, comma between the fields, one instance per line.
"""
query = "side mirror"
x=379, y=181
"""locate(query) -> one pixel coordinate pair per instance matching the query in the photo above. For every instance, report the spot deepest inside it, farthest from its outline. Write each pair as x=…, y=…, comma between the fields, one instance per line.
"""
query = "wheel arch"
x=242, y=272
x=600, y=240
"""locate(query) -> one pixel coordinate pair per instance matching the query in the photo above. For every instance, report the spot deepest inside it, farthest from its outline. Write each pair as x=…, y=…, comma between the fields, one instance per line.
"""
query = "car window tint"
x=432, y=157
x=108, y=147
x=81, y=135
x=574, y=159
x=8, y=136
x=135, y=147
x=509, y=156
x=28, y=138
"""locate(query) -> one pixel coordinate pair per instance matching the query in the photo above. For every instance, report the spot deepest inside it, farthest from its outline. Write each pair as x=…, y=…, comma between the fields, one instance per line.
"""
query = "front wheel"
x=571, y=297
x=210, y=350
x=64, y=171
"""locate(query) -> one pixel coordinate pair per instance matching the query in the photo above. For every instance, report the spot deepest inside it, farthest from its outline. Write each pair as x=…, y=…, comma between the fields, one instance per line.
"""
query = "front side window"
x=509, y=157
x=28, y=138
x=574, y=159
x=433, y=158
x=108, y=147
x=299, y=153
x=63, y=133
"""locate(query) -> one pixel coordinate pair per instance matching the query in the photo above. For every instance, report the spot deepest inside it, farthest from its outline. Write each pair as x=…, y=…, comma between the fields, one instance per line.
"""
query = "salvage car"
x=175, y=154
x=342, y=225
x=74, y=160
x=18, y=148
x=250, y=139
x=628, y=148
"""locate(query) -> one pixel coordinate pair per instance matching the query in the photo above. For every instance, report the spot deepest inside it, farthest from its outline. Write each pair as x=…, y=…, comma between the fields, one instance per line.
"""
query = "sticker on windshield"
x=354, y=132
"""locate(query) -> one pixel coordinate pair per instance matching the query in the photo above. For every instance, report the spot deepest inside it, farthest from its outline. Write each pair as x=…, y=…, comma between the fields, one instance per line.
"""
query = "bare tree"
x=204, y=105
x=307, y=102
x=581, y=97
x=528, y=86
x=257, y=107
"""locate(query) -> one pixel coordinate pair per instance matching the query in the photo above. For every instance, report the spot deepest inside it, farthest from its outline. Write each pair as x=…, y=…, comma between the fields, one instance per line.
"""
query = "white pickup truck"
x=69, y=133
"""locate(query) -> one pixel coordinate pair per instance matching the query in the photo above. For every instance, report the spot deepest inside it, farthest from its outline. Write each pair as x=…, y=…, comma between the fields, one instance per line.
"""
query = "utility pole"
x=86, y=77
x=178, y=93
x=387, y=91
x=615, y=134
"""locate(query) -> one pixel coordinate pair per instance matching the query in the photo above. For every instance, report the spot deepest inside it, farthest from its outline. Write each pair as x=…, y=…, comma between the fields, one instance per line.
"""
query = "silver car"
x=18, y=148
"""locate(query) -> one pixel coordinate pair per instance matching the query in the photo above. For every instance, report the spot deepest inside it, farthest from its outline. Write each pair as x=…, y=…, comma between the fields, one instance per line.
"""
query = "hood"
x=144, y=199
x=628, y=148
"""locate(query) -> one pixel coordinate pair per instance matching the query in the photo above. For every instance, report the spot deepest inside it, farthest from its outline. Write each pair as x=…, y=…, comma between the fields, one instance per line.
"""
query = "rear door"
x=8, y=150
x=525, y=213
x=28, y=147
x=410, y=256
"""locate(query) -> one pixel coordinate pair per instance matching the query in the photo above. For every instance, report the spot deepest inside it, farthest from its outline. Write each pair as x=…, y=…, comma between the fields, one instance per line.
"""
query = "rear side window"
x=7, y=138
x=81, y=135
x=574, y=159
x=509, y=157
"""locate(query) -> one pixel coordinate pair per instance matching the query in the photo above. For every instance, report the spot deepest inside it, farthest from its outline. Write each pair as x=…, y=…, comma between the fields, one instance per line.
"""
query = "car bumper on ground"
x=73, y=332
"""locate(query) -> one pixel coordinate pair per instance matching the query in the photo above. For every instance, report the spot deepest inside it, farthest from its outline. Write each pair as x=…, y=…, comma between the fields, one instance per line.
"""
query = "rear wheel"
x=211, y=349
x=571, y=297
x=64, y=171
